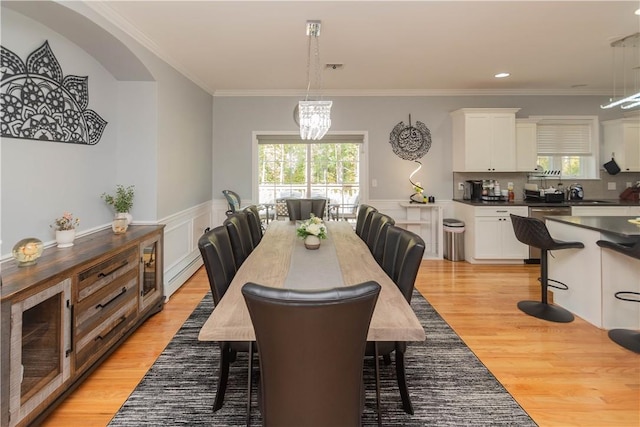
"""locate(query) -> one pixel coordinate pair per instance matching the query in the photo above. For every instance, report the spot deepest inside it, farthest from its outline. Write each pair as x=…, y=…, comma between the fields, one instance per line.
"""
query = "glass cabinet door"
x=150, y=269
x=40, y=348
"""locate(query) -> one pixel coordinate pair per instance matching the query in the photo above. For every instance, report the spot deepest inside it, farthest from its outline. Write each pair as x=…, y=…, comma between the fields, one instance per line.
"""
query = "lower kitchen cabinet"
x=63, y=316
x=489, y=236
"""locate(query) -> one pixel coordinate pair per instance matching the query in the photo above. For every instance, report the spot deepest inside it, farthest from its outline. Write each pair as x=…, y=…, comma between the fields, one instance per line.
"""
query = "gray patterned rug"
x=449, y=386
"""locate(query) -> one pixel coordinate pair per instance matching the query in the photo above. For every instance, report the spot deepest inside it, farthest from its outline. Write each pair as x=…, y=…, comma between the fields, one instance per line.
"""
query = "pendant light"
x=629, y=68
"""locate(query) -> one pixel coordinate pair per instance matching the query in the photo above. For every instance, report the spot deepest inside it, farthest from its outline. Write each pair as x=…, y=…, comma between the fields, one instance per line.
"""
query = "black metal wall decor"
x=38, y=102
x=411, y=143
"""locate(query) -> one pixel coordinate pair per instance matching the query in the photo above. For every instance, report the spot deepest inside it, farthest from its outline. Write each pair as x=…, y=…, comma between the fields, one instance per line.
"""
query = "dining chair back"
x=378, y=233
x=304, y=379
x=363, y=222
x=233, y=200
x=255, y=224
x=217, y=256
x=301, y=209
x=401, y=258
x=240, y=234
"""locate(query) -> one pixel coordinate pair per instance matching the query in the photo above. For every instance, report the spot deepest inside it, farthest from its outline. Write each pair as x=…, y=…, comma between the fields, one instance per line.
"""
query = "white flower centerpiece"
x=65, y=227
x=312, y=230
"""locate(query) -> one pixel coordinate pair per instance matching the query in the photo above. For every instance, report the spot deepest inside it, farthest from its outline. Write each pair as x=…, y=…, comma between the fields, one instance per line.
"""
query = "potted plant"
x=65, y=227
x=122, y=201
x=312, y=230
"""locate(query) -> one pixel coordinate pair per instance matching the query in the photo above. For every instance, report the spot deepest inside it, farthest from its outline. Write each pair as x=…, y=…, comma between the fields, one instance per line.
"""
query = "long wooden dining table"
x=281, y=261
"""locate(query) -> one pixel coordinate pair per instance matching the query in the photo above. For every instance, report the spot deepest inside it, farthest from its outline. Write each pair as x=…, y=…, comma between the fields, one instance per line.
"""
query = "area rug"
x=449, y=386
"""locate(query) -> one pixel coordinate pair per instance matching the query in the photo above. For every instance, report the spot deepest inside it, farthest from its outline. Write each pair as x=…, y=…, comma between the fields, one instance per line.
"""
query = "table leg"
x=375, y=351
x=249, y=387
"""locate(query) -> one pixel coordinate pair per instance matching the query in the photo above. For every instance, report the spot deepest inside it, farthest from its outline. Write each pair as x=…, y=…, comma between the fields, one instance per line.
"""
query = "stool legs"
x=625, y=337
x=542, y=309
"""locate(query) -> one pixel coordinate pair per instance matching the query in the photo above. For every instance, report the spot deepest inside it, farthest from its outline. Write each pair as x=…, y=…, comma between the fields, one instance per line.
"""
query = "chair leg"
x=542, y=309
x=223, y=375
x=377, y=364
x=387, y=359
x=402, y=381
x=249, y=379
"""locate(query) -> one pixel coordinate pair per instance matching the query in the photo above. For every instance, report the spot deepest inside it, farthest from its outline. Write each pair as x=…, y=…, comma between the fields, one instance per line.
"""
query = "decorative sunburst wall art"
x=38, y=102
x=411, y=143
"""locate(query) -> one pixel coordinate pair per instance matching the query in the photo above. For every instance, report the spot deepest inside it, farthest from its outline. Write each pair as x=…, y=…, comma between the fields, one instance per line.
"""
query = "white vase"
x=65, y=238
x=312, y=242
x=125, y=215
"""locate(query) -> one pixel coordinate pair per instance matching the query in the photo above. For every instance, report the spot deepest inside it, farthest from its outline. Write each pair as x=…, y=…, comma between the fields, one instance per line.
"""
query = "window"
x=569, y=145
x=290, y=167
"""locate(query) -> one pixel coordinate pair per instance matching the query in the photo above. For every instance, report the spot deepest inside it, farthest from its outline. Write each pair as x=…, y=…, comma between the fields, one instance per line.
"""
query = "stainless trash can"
x=453, y=239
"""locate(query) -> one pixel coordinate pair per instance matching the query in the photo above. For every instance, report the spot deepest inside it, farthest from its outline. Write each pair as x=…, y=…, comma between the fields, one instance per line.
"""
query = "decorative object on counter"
x=120, y=223
x=411, y=143
x=312, y=230
x=36, y=96
x=611, y=166
x=27, y=251
x=122, y=202
x=65, y=227
x=576, y=192
x=631, y=194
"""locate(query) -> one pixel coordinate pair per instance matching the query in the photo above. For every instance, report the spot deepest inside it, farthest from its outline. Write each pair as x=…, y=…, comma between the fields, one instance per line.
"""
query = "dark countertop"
x=619, y=225
x=566, y=203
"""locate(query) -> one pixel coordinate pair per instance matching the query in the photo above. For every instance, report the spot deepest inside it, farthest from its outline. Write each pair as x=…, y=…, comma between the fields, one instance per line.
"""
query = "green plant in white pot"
x=122, y=201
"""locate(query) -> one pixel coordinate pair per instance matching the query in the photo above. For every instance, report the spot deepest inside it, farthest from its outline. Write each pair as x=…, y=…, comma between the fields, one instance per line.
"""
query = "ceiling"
x=387, y=47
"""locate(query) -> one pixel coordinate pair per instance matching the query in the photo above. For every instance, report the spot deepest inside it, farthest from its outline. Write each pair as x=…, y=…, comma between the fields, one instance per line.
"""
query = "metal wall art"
x=411, y=143
x=38, y=102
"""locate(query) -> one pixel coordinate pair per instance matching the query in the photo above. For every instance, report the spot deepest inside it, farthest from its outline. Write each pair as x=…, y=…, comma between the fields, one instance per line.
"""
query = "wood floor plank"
x=561, y=374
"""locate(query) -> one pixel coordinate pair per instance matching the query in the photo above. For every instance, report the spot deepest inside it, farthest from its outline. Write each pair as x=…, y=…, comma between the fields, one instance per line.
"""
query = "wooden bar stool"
x=534, y=232
x=626, y=338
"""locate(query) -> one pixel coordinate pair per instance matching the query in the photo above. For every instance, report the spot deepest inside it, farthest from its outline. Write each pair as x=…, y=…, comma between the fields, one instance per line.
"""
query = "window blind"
x=565, y=137
x=295, y=139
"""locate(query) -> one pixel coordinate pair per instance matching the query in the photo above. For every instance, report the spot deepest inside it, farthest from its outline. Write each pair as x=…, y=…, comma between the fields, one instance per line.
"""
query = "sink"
x=590, y=202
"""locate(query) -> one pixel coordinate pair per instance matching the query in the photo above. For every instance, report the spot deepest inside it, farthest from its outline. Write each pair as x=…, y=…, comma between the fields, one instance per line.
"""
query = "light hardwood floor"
x=561, y=374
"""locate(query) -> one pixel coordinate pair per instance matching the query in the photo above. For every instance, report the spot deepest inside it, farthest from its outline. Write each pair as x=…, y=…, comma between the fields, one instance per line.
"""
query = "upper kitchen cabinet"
x=484, y=139
x=526, y=145
x=622, y=141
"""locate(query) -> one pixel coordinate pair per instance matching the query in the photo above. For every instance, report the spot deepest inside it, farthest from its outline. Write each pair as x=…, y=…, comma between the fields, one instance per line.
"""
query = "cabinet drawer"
x=98, y=340
x=96, y=277
x=101, y=304
x=501, y=210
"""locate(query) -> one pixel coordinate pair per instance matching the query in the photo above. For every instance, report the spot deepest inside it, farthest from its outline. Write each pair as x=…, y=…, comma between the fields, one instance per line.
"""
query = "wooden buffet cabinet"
x=63, y=316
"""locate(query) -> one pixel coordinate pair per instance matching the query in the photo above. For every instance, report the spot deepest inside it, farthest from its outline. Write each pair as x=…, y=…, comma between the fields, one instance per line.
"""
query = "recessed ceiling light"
x=637, y=12
x=502, y=75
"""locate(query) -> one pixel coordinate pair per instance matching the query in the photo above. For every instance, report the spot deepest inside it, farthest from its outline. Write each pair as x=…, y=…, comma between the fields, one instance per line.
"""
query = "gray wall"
x=236, y=117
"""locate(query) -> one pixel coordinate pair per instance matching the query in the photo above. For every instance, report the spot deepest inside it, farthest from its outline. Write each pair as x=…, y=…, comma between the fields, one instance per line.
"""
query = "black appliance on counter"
x=473, y=190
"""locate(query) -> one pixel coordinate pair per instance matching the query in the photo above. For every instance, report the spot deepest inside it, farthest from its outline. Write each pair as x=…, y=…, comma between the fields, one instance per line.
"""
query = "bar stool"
x=625, y=337
x=534, y=232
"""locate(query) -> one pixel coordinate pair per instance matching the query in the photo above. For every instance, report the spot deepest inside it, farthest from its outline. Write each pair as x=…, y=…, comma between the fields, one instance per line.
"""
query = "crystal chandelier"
x=629, y=68
x=314, y=116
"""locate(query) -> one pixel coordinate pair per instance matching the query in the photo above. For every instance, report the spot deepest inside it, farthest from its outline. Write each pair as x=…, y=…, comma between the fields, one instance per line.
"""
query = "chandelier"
x=626, y=66
x=314, y=116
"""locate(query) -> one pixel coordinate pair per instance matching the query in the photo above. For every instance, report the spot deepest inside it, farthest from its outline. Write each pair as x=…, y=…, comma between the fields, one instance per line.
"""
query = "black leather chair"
x=217, y=255
x=311, y=346
x=363, y=221
x=401, y=258
x=534, y=232
x=301, y=209
x=255, y=224
x=378, y=233
x=626, y=338
x=237, y=225
x=233, y=200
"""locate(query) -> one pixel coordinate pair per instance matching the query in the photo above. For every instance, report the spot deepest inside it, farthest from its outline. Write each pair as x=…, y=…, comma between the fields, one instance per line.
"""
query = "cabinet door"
x=512, y=248
x=526, y=147
x=478, y=147
x=488, y=237
x=151, y=290
x=503, y=154
x=631, y=147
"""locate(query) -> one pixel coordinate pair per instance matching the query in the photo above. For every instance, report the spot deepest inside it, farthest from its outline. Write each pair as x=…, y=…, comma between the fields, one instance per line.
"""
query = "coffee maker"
x=473, y=190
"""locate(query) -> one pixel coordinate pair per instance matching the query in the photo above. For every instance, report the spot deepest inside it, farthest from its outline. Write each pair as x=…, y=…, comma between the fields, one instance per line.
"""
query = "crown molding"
x=408, y=92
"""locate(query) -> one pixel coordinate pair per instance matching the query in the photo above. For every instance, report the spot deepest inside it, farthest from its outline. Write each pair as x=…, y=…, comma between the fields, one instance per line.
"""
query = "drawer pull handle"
x=101, y=337
x=71, y=331
x=122, y=292
x=124, y=264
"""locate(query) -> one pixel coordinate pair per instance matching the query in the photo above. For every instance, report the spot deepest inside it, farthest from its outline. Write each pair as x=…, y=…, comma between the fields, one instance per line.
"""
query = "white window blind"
x=565, y=137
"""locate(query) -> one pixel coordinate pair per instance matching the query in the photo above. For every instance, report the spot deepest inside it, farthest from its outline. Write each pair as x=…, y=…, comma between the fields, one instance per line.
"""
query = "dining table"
x=281, y=260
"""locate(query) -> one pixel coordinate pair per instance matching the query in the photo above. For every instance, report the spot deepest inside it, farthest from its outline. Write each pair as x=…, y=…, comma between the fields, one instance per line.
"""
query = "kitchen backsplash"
x=593, y=188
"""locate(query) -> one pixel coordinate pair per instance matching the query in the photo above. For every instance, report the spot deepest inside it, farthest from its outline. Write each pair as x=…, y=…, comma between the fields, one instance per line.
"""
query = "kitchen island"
x=594, y=274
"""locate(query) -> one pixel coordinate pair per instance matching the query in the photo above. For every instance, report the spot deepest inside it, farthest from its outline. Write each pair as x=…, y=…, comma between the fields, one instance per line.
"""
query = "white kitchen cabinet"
x=622, y=141
x=526, y=145
x=600, y=210
x=489, y=236
x=484, y=139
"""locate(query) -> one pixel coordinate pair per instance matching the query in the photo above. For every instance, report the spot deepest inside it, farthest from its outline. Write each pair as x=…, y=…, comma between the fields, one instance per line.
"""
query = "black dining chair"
x=304, y=379
x=377, y=234
x=233, y=200
x=401, y=258
x=301, y=209
x=237, y=225
x=361, y=220
x=217, y=255
x=255, y=224
x=533, y=232
x=626, y=338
